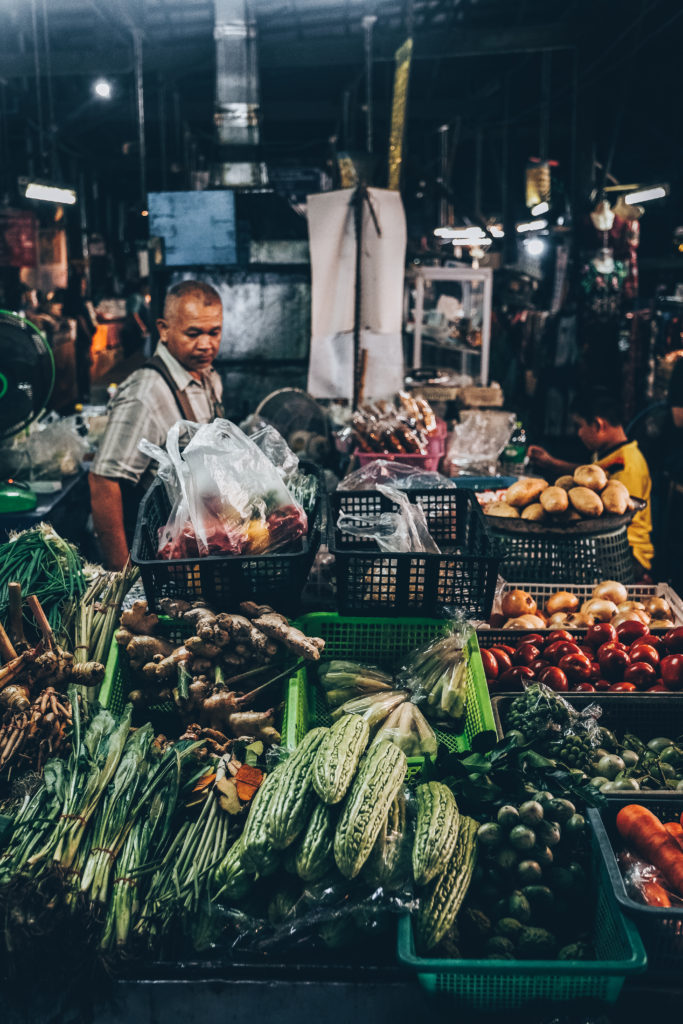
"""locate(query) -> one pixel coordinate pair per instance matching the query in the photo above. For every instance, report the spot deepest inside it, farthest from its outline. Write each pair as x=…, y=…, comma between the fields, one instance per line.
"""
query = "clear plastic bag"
x=51, y=450
x=478, y=440
x=397, y=474
x=226, y=495
x=408, y=729
x=436, y=676
x=345, y=680
x=405, y=530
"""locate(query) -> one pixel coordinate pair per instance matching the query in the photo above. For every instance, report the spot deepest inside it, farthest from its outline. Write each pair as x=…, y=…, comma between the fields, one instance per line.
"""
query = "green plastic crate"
x=386, y=643
x=490, y=985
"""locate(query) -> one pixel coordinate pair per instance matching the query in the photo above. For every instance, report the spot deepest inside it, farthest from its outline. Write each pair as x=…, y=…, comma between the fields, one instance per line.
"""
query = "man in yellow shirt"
x=599, y=426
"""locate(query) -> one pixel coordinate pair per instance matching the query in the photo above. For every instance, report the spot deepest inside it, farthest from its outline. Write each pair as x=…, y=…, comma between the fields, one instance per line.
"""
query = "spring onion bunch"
x=45, y=565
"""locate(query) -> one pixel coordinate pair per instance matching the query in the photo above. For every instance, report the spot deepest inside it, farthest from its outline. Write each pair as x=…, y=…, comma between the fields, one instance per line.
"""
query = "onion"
x=579, y=620
x=601, y=610
x=518, y=602
x=630, y=606
x=562, y=601
x=525, y=622
x=632, y=615
x=558, y=619
x=611, y=590
x=657, y=607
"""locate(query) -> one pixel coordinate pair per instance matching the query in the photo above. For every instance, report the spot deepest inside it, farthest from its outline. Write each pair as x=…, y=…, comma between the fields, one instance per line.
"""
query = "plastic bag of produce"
x=405, y=530
x=344, y=680
x=436, y=676
x=374, y=709
x=397, y=474
x=227, y=496
x=408, y=728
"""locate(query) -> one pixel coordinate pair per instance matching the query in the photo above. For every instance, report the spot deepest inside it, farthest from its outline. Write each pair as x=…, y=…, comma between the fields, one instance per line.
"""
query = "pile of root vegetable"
x=214, y=677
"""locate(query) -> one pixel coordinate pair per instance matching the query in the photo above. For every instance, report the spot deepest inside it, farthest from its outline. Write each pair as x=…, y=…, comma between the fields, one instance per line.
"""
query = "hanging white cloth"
x=333, y=280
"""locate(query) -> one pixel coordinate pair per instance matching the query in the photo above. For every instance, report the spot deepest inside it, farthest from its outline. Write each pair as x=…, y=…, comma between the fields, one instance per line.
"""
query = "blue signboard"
x=198, y=228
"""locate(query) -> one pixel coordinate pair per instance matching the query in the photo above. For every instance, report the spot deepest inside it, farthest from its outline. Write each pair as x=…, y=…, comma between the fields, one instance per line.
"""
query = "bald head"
x=203, y=294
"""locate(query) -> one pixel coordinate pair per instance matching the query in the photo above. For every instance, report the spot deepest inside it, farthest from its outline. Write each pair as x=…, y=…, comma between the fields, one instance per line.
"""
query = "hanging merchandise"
x=538, y=182
x=338, y=312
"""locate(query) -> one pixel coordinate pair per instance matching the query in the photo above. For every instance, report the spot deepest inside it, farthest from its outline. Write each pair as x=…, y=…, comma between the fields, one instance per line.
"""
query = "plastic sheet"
x=397, y=474
x=227, y=497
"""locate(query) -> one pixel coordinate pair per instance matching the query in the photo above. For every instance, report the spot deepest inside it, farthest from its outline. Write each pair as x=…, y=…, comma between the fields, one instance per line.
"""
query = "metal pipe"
x=52, y=124
x=544, y=125
x=444, y=132
x=140, y=99
x=368, y=22
x=39, y=92
x=478, y=154
x=162, y=129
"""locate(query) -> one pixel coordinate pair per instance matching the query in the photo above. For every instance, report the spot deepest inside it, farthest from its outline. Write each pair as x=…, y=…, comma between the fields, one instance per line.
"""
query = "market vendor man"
x=179, y=382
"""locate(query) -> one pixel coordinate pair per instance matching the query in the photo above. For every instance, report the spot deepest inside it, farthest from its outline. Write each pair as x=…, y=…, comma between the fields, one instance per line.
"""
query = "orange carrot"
x=643, y=830
x=675, y=831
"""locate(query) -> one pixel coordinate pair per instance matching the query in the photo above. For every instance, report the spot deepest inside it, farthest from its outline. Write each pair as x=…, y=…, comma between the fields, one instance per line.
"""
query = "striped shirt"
x=145, y=407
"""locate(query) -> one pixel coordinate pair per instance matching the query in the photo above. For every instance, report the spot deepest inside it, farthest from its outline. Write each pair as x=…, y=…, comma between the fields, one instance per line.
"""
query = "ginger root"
x=139, y=619
x=278, y=628
x=142, y=649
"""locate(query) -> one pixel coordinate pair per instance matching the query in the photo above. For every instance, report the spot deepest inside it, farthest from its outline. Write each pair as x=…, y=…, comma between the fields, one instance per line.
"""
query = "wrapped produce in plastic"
x=408, y=728
x=343, y=680
x=397, y=474
x=374, y=709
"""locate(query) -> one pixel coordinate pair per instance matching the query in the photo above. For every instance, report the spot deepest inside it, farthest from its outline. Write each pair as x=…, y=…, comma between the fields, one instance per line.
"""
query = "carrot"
x=643, y=830
x=654, y=894
x=675, y=831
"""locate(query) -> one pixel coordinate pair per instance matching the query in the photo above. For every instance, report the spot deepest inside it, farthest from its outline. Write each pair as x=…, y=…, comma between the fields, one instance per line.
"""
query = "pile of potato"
x=609, y=602
x=585, y=495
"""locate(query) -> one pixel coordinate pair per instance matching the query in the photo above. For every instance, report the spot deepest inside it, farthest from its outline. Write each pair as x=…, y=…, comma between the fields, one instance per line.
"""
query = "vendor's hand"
x=540, y=456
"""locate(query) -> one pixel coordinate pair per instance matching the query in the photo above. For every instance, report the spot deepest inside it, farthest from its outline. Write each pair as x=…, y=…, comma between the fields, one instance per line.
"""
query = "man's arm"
x=107, y=513
x=544, y=460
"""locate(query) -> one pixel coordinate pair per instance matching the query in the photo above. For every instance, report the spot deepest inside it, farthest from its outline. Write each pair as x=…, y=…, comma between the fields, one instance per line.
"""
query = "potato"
x=525, y=491
x=501, y=508
x=534, y=512
x=554, y=500
x=615, y=498
x=586, y=501
x=592, y=477
x=566, y=482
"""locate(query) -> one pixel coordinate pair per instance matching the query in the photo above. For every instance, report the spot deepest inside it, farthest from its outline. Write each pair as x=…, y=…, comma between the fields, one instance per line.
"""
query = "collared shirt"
x=627, y=464
x=145, y=407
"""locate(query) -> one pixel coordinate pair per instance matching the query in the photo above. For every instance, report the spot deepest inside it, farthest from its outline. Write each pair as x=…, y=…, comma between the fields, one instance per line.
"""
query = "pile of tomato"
x=622, y=659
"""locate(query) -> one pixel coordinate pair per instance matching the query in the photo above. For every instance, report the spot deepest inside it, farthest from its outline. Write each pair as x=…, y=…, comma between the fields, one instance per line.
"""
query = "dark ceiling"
x=613, y=83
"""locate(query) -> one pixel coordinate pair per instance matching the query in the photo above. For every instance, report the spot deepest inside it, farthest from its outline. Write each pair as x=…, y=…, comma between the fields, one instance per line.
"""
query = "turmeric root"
x=139, y=619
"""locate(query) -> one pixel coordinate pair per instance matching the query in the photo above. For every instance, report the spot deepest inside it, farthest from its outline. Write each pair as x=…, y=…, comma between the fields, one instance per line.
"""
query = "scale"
x=27, y=376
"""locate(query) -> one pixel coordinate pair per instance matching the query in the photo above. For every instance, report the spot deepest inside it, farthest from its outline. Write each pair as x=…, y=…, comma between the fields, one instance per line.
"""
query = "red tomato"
x=490, y=664
x=631, y=629
x=613, y=645
x=588, y=651
x=584, y=688
x=673, y=640
x=576, y=667
x=672, y=671
x=525, y=654
x=595, y=671
x=640, y=651
x=502, y=657
x=514, y=678
x=658, y=688
x=508, y=648
x=538, y=666
x=559, y=634
x=602, y=684
x=554, y=652
x=601, y=633
x=532, y=638
x=652, y=640
x=622, y=688
x=613, y=664
x=641, y=673
x=555, y=678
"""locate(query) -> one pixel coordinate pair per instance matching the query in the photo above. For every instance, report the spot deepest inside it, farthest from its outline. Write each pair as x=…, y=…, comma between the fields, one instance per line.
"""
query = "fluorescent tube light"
x=532, y=225
x=642, y=196
x=50, y=193
x=539, y=208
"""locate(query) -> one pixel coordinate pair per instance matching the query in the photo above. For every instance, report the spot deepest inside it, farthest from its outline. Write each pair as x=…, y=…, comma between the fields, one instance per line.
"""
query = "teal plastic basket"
x=490, y=985
x=385, y=643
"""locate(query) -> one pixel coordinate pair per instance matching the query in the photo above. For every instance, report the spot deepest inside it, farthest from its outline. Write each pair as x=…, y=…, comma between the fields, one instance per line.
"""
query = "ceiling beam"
x=279, y=51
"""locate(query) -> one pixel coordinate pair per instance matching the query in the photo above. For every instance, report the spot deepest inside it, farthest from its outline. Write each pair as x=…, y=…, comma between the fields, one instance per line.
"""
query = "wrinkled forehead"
x=194, y=309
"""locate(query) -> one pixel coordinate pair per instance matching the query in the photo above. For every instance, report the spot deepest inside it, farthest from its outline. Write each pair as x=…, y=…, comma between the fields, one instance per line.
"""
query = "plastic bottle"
x=514, y=453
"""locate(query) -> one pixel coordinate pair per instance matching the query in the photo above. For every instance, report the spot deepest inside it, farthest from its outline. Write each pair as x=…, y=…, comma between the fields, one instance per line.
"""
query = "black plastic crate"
x=661, y=928
x=463, y=576
x=225, y=580
x=645, y=714
x=574, y=558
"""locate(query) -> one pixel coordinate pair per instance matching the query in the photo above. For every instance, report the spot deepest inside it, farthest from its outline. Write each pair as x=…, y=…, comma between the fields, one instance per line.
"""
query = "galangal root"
x=31, y=733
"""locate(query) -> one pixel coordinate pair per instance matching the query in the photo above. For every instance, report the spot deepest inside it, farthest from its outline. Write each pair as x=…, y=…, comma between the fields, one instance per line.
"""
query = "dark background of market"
x=593, y=85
